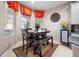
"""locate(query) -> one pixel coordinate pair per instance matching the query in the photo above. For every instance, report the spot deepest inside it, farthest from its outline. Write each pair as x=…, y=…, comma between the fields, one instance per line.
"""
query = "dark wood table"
x=39, y=40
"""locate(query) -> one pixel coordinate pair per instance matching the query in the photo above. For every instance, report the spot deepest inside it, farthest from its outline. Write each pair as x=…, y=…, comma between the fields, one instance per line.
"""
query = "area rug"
x=47, y=51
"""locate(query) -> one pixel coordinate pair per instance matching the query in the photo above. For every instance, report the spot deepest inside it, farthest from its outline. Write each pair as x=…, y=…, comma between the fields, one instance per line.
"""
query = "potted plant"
x=37, y=26
x=64, y=24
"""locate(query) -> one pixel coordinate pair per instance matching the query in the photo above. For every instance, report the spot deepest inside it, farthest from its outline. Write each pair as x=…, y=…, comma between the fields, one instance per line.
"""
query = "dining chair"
x=34, y=42
x=24, y=37
x=28, y=38
x=37, y=45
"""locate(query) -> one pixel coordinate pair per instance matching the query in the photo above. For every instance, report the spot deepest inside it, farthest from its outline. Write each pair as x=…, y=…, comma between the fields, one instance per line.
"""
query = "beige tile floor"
x=61, y=51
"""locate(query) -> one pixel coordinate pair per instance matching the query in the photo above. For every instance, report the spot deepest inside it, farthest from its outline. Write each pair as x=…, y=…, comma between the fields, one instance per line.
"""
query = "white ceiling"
x=43, y=5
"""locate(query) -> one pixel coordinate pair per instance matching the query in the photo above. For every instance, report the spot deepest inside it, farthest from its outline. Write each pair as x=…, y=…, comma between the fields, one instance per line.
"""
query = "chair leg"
x=40, y=52
x=37, y=50
x=52, y=41
x=47, y=42
x=34, y=50
x=23, y=45
x=27, y=47
x=30, y=43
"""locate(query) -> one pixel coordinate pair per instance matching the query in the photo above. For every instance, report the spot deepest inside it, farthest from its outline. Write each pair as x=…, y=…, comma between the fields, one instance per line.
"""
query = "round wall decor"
x=55, y=17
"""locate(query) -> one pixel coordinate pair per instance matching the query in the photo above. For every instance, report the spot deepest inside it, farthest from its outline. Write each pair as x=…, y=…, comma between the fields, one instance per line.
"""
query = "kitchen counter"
x=75, y=34
x=74, y=41
x=74, y=38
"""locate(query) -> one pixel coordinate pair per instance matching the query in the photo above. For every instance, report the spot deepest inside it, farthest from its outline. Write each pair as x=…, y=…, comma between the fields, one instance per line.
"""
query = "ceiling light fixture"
x=32, y=2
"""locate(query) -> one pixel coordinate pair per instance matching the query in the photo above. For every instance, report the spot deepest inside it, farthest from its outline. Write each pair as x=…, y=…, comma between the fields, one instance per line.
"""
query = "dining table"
x=39, y=38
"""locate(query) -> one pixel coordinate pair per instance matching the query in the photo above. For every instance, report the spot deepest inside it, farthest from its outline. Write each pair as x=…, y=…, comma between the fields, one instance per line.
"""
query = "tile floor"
x=61, y=51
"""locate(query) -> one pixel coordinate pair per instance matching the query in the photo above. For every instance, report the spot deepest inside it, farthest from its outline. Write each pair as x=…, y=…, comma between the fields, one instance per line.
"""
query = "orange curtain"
x=16, y=7
x=13, y=5
x=22, y=9
x=25, y=10
x=39, y=13
x=28, y=11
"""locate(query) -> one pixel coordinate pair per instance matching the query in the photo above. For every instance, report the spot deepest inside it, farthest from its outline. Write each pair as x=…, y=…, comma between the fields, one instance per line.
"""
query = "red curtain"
x=13, y=5
x=22, y=9
x=39, y=13
x=28, y=11
x=25, y=10
x=16, y=7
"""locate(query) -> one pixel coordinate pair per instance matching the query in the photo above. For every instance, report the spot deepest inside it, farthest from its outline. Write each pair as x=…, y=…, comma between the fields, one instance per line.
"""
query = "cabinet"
x=75, y=13
x=74, y=42
x=75, y=50
x=64, y=36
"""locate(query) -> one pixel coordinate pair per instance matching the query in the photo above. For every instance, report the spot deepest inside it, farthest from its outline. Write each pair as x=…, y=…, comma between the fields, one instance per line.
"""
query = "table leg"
x=40, y=50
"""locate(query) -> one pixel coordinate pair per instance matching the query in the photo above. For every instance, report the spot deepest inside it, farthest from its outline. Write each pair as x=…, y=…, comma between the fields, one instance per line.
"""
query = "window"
x=8, y=25
x=24, y=23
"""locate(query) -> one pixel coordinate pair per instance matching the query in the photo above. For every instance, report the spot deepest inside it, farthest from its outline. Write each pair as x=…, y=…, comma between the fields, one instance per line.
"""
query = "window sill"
x=9, y=36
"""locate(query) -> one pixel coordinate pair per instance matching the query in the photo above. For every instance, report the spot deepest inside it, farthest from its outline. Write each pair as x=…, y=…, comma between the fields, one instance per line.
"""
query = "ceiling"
x=43, y=5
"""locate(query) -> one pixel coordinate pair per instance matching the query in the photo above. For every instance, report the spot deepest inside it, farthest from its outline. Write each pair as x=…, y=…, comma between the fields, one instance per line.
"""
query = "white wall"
x=32, y=21
x=54, y=28
x=18, y=27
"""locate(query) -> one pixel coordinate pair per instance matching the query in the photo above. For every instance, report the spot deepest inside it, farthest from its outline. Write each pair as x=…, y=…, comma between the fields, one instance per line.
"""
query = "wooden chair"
x=37, y=46
x=24, y=38
x=28, y=38
x=35, y=42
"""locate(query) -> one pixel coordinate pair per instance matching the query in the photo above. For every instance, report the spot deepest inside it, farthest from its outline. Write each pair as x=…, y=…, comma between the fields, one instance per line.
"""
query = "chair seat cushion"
x=35, y=44
x=49, y=37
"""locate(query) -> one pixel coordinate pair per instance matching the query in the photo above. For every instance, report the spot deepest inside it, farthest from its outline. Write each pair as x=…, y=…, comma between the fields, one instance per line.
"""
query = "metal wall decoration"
x=55, y=17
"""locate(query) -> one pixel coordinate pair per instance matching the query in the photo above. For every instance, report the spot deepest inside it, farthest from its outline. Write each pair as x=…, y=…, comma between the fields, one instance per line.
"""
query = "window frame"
x=10, y=12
